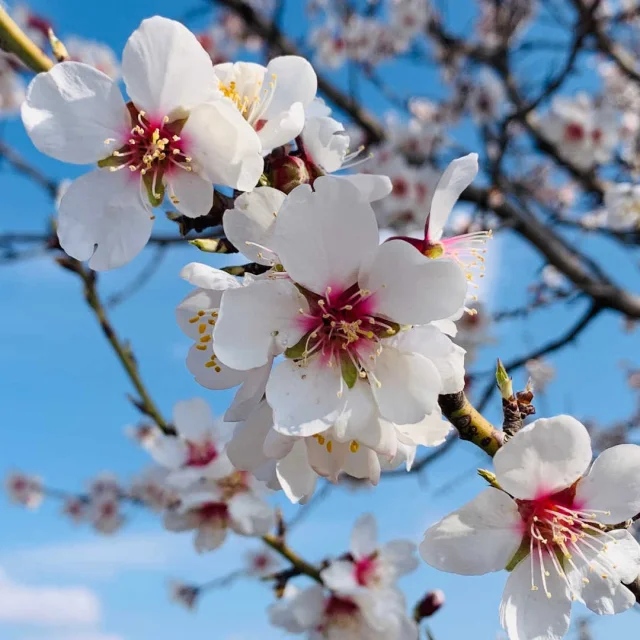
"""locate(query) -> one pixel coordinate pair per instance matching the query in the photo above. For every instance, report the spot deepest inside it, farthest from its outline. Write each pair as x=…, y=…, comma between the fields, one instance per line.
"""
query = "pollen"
x=354, y=446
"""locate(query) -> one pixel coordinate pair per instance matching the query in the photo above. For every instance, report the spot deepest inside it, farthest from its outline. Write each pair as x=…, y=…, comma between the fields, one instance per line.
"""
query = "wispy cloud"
x=50, y=606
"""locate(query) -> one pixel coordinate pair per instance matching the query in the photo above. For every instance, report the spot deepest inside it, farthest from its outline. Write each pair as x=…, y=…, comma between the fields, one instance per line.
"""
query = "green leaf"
x=154, y=198
x=297, y=350
x=520, y=554
x=349, y=371
x=110, y=161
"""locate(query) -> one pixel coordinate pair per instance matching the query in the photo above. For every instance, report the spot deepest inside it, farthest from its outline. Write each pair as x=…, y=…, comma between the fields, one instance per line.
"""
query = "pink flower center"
x=214, y=512
x=364, y=570
x=596, y=135
x=400, y=187
x=558, y=527
x=574, y=132
x=342, y=329
x=152, y=149
x=200, y=454
x=339, y=612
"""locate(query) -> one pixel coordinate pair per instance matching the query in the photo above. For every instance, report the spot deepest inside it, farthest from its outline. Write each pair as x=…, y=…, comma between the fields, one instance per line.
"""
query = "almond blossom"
x=177, y=134
x=23, y=489
x=369, y=566
x=337, y=314
x=213, y=510
x=549, y=524
x=325, y=615
x=271, y=99
x=622, y=204
x=197, y=451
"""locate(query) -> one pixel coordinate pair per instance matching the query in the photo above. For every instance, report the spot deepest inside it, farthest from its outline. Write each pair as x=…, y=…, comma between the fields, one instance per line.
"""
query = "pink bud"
x=430, y=604
x=289, y=172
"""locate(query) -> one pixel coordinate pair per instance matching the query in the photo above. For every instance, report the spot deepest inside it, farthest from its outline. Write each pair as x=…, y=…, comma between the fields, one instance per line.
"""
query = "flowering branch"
x=14, y=40
x=301, y=566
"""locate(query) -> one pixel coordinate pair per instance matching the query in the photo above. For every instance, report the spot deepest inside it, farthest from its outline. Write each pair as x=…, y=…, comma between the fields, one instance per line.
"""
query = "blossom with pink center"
x=549, y=524
x=211, y=512
x=75, y=509
x=105, y=487
x=583, y=133
x=622, y=204
x=105, y=516
x=196, y=452
x=323, y=615
x=151, y=488
x=23, y=489
x=261, y=563
x=466, y=249
x=339, y=309
x=370, y=566
x=177, y=134
x=96, y=54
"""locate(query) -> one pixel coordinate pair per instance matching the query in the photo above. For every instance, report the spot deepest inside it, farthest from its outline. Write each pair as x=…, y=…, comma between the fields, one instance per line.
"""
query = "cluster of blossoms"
x=362, y=39
x=359, y=597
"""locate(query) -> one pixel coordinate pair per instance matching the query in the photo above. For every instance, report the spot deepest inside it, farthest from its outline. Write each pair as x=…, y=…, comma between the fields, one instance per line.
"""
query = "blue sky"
x=63, y=411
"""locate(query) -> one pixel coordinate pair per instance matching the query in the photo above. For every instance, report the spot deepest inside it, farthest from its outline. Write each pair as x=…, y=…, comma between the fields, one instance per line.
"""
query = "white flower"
x=261, y=563
x=271, y=99
x=408, y=19
x=151, y=488
x=321, y=615
x=548, y=527
x=486, y=98
x=622, y=203
x=197, y=452
x=104, y=487
x=583, y=134
x=12, y=89
x=541, y=373
x=325, y=146
x=96, y=54
x=197, y=315
x=294, y=463
x=105, y=515
x=76, y=509
x=215, y=510
x=23, y=489
x=178, y=133
x=369, y=566
x=338, y=312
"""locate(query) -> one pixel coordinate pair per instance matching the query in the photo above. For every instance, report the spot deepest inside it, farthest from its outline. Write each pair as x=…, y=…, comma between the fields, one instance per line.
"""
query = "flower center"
x=251, y=103
x=201, y=454
x=152, y=149
x=574, y=132
x=558, y=528
x=364, y=570
x=339, y=612
x=233, y=484
x=342, y=330
x=214, y=513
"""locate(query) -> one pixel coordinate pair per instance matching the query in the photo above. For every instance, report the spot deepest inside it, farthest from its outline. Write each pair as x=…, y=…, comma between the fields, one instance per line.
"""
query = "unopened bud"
x=289, y=172
x=504, y=381
x=429, y=605
x=60, y=52
x=213, y=245
x=489, y=477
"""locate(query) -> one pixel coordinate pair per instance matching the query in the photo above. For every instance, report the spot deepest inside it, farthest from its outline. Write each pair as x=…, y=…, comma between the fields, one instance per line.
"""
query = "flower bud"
x=429, y=604
x=288, y=172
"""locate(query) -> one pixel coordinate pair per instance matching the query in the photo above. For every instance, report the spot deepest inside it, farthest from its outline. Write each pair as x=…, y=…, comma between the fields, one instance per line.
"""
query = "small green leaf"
x=349, y=371
x=297, y=350
x=110, y=161
x=520, y=555
x=156, y=198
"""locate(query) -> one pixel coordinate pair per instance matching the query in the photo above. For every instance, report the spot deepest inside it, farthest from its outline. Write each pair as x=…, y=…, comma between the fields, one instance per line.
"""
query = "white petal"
x=165, y=68
x=613, y=484
x=304, y=610
x=410, y=288
x=249, y=224
x=277, y=445
x=604, y=572
x=448, y=357
x=249, y=394
x=245, y=448
x=257, y=321
x=193, y=418
x=210, y=372
x=456, y=178
x=402, y=555
x=209, y=538
x=364, y=537
x=373, y=187
x=339, y=576
x=191, y=195
x=282, y=128
x=429, y=432
x=295, y=82
x=106, y=209
x=250, y=516
x=546, y=456
x=71, y=111
x=481, y=537
x=187, y=311
x=305, y=400
x=323, y=236
x=202, y=275
x=328, y=459
x=168, y=451
x=224, y=147
x=297, y=478
x=409, y=385
x=325, y=143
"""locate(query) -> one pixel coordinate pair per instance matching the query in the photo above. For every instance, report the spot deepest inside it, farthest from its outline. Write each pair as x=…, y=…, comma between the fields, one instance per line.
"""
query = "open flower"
x=197, y=316
x=337, y=313
x=548, y=525
x=326, y=615
x=23, y=489
x=622, y=203
x=215, y=510
x=271, y=99
x=197, y=452
x=370, y=566
x=177, y=133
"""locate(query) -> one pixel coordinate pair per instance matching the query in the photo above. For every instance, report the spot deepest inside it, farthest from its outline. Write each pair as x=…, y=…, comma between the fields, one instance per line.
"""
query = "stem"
x=470, y=423
x=124, y=353
x=298, y=563
x=14, y=40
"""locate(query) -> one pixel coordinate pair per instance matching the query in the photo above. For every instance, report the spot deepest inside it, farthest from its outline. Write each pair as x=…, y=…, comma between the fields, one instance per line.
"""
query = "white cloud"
x=47, y=606
x=89, y=635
